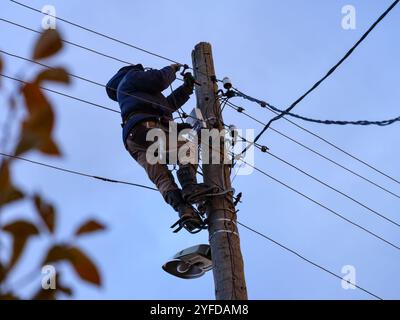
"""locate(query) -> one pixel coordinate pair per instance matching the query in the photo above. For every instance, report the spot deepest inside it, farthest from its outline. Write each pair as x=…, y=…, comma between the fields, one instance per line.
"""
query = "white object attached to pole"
x=190, y=263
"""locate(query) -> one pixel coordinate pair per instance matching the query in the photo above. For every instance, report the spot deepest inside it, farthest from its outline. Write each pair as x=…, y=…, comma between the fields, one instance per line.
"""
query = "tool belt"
x=129, y=116
x=149, y=124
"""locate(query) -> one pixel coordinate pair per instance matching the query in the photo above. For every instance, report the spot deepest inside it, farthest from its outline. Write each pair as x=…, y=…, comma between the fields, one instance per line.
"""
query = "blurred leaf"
x=21, y=230
x=49, y=147
x=2, y=272
x=8, y=193
x=56, y=253
x=8, y=296
x=46, y=212
x=83, y=266
x=43, y=294
x=60, y=287
x=38, y=125
x=48, y=44
x=54, y=74
x=89, y=226
x=26, y=143
x=64, y=289
x=21, y=227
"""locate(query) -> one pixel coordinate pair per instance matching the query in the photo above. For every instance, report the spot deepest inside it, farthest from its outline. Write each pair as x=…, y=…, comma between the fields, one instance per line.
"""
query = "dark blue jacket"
x=139, y=94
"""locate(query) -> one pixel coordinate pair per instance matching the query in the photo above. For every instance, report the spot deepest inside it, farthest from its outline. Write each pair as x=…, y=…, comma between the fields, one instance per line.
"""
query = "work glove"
x=189, y=80
x=176, y=66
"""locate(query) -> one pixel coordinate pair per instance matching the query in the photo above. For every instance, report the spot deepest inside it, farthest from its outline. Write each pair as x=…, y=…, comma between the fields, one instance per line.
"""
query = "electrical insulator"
x=227, y=83
x=234, y=133
x=232, y=129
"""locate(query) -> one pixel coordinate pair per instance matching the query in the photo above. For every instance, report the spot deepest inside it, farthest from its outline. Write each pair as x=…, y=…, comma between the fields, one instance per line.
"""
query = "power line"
x=298, y=254
x=278, y=111
x=235, y=107
x=330, y=72
x=374, y=168
x=80, y=78
x=69, y=96
x=253, y=99
x=361, y=122
x=320, y=204
x=305, y=259
x=153, y=189
x=380, y=123
x=105, y=179
x=62, y=94
x=242, y=110
x=333, y=188
x=68, y=42
x=321, y=182
x=244, y=95
x=106, y=36
x=77, y=172
x=265, y=150
x=327, y=185
x=296, y=191
x=97, y=33
x=85, y=101
x=73, y=44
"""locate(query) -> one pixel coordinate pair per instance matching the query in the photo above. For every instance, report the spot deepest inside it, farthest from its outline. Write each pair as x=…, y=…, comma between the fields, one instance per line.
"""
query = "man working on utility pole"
x=143, y=108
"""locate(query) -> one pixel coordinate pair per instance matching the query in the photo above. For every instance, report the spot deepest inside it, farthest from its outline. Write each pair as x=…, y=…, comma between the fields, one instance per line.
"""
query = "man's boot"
x=188, y=217
x=192, y=191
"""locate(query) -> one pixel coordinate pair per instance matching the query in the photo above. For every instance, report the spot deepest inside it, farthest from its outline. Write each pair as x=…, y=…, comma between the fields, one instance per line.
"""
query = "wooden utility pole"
x=224, y=236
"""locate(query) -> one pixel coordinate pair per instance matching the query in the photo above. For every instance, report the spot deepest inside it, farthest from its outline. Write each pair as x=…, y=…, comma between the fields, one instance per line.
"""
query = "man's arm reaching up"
x=152, y=81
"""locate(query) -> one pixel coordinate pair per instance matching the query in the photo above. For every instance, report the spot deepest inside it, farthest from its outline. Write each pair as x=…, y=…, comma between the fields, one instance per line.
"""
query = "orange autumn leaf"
x=38, y=125
x=89, y=226
x=53, y=74
x=81, y=263
x=49, y=147
x=46, y=212
x=21, y=231
x=48, y=44
x=9, y=193
x=85, y=268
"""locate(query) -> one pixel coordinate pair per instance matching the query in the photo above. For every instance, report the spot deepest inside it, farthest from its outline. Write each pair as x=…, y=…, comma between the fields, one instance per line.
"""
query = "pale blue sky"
x=271, y=49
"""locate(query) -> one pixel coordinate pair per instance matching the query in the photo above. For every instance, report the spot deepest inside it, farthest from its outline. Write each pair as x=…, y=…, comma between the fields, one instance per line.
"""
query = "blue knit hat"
x=112, y=85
